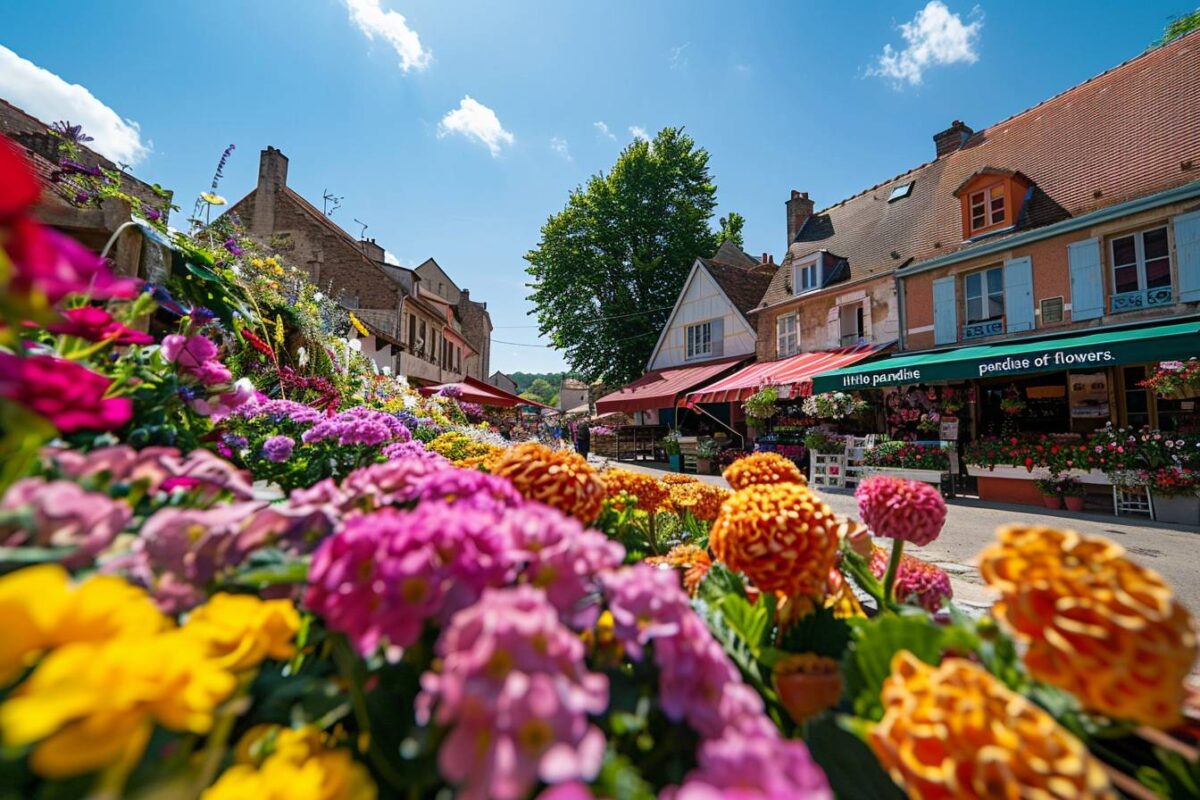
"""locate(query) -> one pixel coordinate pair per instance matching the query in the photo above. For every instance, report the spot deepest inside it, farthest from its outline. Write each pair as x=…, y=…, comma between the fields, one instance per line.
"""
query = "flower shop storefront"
x=656, y=401
x=1019, y=412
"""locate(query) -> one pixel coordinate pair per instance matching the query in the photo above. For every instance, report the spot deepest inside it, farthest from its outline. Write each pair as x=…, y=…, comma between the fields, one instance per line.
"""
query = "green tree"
x=731, y=229
x=610, y=265
x=540, y=390
x=1178, y=26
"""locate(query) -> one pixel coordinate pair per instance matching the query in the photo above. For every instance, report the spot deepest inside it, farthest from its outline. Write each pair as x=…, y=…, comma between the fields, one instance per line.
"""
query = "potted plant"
x=1048, y=489
x=706, y=450
x=760, y=407
x=1073, y=493
x=670, y=445
x=1175, y=494
x=1175, y=380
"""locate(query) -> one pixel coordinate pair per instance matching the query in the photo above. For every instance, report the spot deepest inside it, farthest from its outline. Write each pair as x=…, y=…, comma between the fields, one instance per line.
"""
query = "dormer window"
x=987, y=207
x=991, y=200
x=807, y=275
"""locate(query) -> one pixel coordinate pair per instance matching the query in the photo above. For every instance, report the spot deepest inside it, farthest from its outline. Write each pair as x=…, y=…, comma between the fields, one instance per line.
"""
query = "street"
x=971, y=524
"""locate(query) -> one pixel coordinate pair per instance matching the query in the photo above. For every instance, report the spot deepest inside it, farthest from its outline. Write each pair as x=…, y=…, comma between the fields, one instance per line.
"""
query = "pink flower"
x=96, y=325
x=516, y=695
x=753, y=768
x=62, y=514
x=190, y=352
x=917, y=581
x=646, y=603
x=901, y=509
x=67, y=394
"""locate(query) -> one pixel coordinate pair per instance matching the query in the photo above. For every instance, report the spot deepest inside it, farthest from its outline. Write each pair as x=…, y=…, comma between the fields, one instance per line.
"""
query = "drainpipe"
x=900, y=315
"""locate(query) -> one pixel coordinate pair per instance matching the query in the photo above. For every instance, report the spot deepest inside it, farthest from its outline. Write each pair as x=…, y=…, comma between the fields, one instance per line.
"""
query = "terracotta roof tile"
x=1120, y=135
x=744, y=287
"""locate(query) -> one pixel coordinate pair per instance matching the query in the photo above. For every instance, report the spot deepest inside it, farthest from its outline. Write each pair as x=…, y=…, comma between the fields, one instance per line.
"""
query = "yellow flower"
x=672, y=478
x=299, y=767
x=279, y=331
x=88, y=705
x=956, y=731
x=358, y=326
x=701, y=500
x=558, y=478
x=212, y=199
x=781, y=536
x=758, y=468
x=1095, y=624
x=649, y=493
x=241, y=631
x=41, y=610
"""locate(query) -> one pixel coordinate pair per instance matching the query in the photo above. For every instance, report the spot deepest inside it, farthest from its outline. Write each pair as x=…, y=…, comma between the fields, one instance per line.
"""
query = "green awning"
x=1080, y=353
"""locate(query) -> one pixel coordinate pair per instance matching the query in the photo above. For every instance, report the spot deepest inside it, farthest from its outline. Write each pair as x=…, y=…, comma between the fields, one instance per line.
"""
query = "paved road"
x=1173, y=551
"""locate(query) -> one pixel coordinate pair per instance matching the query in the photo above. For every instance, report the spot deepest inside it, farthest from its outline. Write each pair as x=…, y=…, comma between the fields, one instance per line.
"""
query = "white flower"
x=302, y=356
x=354, y=344
x=387, y=370
x=319, y=296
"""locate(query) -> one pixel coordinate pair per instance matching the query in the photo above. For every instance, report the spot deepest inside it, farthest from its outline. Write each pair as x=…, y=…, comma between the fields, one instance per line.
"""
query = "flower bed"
x=507, y=624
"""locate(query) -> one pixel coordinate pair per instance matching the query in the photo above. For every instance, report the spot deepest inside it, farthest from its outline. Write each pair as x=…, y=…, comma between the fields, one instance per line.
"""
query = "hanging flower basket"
x=1175, y=380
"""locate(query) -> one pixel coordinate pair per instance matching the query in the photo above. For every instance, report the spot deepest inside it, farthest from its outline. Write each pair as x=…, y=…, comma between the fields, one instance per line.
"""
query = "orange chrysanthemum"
x=1097, y=625
x=956, y=731
x=701, y=500
x=650, y=493
x=760, y=468
x=558, y=478
x=484, y=462
x=781, y=536
x=673, y=478
x=693, y=560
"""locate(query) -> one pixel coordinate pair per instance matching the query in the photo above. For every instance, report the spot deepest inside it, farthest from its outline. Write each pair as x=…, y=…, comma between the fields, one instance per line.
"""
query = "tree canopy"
x=610, y=265
x=731, y=229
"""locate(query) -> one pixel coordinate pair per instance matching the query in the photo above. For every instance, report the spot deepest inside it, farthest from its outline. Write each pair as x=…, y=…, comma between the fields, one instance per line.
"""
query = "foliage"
x=731, y=229
x=610, y=265
x=818, y=441
x=761, y=405
x=833, y=405
x=907, y=455
x=1173, y=378
x=1178, y=26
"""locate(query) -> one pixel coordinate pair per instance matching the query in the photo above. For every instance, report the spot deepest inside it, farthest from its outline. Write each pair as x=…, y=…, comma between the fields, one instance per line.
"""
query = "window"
x=808, y=276
x=987, y=207
x=1137, y=399
x=985, y=294
x=699, y=340
x=903, y=190
x=1141, y=261
x=787, y=340
x=852, y=324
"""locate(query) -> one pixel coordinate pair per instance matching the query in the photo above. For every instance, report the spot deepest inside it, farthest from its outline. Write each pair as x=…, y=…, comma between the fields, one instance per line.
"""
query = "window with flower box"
x=1141, y=270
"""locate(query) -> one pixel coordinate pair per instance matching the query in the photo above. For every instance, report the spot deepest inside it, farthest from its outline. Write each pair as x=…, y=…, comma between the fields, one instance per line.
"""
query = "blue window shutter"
x=1187, y=254
x=718, y=337
x=1087, y=279
x=945, y=311
x=1018, y=295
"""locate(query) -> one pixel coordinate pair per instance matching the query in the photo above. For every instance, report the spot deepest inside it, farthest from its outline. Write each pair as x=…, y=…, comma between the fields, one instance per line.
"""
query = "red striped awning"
x=663, y=388
x=793, y=374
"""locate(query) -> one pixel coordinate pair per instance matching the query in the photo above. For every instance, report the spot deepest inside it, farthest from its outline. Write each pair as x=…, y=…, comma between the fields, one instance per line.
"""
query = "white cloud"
x=638, y=132
x=51, y=99
x=476, y=121
x=679, y=61
x=390, y=258
x=559, y=145
x=934, y=37
x=602, y=127
x=370, y=18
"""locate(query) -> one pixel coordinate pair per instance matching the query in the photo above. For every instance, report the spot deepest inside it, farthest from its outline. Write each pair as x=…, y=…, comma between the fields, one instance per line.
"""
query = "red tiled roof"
x=1120, y=135
x=795, y=374
x=662, y=388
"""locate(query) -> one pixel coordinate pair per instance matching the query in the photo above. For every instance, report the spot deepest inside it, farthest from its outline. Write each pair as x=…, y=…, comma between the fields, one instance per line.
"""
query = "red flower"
x=97, y=325
x=67, y=394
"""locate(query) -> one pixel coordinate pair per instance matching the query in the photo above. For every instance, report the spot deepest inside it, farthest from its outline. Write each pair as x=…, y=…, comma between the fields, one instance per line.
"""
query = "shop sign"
x=1089, y=395
x=948, y=431
x=1048, y=360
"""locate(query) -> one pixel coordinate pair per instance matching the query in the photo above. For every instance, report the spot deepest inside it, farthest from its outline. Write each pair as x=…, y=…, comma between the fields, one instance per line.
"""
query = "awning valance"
x=794, y=373
x=1081, y=352
x=663, y=388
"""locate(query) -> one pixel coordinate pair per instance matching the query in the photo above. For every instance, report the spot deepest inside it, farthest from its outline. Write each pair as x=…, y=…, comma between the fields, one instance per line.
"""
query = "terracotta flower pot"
x=1074, y=503
x=805, y=695
x=1052, y=501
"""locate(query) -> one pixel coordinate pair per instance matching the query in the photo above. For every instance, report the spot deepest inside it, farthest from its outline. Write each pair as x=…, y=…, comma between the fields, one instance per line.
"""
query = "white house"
x=709, y=320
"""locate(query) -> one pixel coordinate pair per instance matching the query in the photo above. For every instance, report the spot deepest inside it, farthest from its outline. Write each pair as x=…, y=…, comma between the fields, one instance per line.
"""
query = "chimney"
x=272, y=177
x=371, y=249
x=799, y=209
x=953, y=138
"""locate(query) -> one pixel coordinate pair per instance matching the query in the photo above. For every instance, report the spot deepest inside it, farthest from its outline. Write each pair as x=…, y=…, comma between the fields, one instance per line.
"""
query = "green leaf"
x=819, y=632
x=851, y=767
x=274, y=575
x=24, y=556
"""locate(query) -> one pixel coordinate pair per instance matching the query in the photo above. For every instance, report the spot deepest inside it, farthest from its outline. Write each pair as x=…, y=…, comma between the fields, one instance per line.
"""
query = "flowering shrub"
x=907, y=455
x=1174, y=378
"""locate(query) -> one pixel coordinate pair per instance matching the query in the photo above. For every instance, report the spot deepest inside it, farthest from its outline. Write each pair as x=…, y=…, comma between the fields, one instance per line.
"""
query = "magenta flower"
x=358, y=426
x=62, y=514
x=516, y=695
x=189, y=352
x=411, y=449
x=391, y=482
x=97, y=325
x=917, y=581
x=278, y=449
x=67, y=394
x=646, y=603
x=901, y=509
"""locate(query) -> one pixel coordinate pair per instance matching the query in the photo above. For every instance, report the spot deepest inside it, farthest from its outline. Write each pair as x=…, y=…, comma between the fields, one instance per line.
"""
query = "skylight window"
x=901, y=190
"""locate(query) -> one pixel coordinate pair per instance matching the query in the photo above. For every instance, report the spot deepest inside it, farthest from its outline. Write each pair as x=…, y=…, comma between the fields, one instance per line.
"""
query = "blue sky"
x=454, y=128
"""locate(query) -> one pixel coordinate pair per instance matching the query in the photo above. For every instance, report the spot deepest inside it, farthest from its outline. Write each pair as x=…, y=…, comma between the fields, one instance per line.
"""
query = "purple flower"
x=278, y=449
x=753, y=768
x=358, y=426
x=412, y=449
x=232, y=246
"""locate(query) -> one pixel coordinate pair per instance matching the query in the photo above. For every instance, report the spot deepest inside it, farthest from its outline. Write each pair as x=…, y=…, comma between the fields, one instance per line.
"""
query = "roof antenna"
x=363, y=233
x=331, y=203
